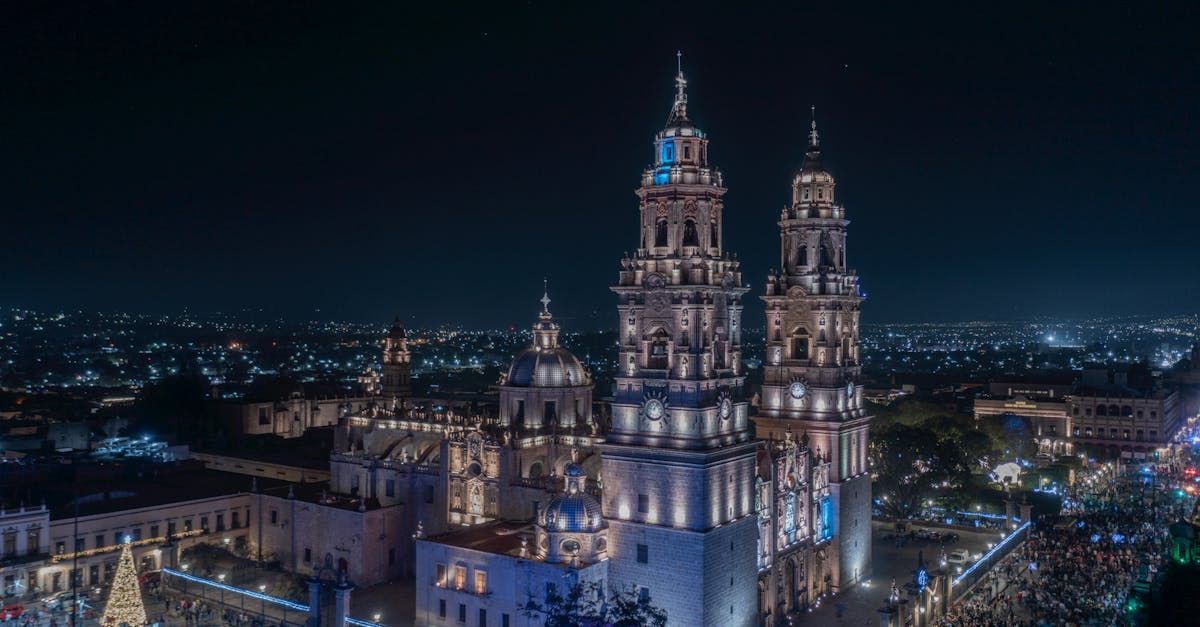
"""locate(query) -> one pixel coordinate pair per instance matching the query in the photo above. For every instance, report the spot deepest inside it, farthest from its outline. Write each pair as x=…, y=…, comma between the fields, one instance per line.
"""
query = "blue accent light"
x=1007, y=539
x=826, y=518
x=291, y=605
x=361, y=623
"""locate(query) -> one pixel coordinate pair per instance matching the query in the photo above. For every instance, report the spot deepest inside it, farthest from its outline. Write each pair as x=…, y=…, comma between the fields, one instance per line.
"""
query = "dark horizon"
x=996, y=163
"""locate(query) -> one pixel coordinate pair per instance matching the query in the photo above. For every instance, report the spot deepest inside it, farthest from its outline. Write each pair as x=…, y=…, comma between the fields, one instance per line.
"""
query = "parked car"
x=11, y=612
x=961, y=556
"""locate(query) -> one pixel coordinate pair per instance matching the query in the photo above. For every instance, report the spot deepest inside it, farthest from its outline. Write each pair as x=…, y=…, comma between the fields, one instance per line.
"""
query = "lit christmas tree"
x=125, y=598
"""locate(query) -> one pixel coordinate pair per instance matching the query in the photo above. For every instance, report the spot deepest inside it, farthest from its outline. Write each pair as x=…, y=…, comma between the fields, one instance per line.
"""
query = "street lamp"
x=262, y=589
x=376, y=616
x=221, y=578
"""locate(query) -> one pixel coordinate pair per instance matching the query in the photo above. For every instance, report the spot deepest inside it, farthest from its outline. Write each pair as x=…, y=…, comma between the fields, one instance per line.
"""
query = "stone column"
x=341, y=603
x=314, y=602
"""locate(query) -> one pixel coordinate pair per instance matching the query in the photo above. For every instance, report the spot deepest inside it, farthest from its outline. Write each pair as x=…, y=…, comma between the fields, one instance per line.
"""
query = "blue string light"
x=292, y=605
x=1007, y=539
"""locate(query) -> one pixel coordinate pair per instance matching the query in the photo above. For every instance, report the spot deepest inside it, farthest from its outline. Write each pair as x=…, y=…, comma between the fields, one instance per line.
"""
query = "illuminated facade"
x=810, y=387
x=678, y=462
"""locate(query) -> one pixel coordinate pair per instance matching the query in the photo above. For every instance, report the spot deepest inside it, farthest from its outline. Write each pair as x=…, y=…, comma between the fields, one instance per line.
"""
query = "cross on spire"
x=680, y=81
x=813, y=139
x=545, y=296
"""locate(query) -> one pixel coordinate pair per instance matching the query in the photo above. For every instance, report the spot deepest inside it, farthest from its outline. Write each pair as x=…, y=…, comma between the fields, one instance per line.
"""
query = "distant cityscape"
x=111, y=353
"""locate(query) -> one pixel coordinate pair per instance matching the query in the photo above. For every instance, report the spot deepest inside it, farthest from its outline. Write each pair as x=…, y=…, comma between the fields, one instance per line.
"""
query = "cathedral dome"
x=574, y=511
x=546, y=367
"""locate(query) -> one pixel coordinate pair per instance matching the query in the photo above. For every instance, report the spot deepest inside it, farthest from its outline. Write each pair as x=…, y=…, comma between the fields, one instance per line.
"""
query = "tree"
x=579, y=606
x=631, y=609
x=125, y=598
x=910, y=464
x=582, y=606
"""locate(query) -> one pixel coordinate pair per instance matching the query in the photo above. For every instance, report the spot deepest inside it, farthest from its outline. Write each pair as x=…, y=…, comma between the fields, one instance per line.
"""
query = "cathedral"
x=712, y=513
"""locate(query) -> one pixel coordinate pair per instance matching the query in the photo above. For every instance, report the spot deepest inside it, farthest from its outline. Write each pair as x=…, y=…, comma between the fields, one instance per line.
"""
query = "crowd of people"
x=1077, y=568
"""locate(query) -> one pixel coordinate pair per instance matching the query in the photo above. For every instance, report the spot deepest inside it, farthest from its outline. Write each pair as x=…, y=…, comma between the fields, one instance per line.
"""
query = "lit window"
x=480, y=582
x=460, y=577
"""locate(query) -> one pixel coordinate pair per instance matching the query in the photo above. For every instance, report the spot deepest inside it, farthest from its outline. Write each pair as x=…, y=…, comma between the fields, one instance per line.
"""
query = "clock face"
x=725, y=408
x=850, y=389
x=654, y=409
x=798, y=390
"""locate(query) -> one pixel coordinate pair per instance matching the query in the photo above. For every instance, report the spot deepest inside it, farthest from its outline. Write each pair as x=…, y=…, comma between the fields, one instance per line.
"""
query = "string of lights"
x=125, y=599
x=987, y=556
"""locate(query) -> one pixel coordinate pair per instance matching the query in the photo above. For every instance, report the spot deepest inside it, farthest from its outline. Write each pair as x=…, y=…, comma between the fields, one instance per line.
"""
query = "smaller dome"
x=397, y=331
x=572, y=513
x=574, y=470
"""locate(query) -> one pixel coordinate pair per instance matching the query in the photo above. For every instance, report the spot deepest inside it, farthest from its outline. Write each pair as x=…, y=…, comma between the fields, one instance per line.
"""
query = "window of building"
x=1153, y=414
x=1125, y=434
x=119, y=537
x=307, y=555
x=154, y=531
x=1088, y=432
x=1139, y=413
x=643, y=594
x=187, y=524
x=660, y=233
x=460, y=577
x=220, y=522
x=60, y=548
x=643, y=504
x=1113, y=433
x=482, y=617
x=99, y=541
x=550, y=411
x=690, y=236
x=1153, y=434
x=480, y=582
x=1141, y=435
x=462, y=613
x=78, y=545
x=389, y=487
x=204, y=523
x=274, y=517
x=441, y=608
x=1101, y=410
x=643, y=554
x=235, y=521
x=263, y=419
x=504, y=620
x=171, y=528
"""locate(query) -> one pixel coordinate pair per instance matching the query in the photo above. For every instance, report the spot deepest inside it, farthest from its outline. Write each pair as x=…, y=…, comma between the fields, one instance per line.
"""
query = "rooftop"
x=500, y=538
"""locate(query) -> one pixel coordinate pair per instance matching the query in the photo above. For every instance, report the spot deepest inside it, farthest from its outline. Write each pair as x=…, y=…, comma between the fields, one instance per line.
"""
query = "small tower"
x=397, y=364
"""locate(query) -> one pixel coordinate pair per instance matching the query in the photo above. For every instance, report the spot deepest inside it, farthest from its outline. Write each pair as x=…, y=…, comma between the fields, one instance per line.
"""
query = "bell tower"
x=811, y=370
x=397, y=364
x=678, y=464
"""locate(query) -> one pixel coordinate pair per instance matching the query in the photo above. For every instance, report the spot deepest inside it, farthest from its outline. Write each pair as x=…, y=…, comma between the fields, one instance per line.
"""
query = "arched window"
x=1126, y=411
x=690, y=236
x=660, y=232
x=714, y=238
x=826, y=254
x=658, y=349
x=1113, y=410
x=1101, y=410
x=802, y=256
x=800, y=344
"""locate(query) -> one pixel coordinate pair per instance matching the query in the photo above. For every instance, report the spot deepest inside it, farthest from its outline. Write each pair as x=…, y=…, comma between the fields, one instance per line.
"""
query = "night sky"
x=998, y=163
